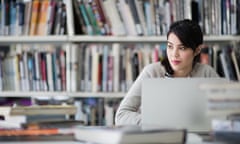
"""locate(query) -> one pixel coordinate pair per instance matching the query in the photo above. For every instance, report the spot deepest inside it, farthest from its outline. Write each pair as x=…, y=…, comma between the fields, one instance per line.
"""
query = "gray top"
x=128, y=112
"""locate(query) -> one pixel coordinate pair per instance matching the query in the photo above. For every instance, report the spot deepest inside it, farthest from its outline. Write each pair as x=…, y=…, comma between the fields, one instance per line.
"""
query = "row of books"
x=33, y=17
x=42, y=69
x=224, y=58
x=90, y=111
x=96, y=67
x=111, y=67
x=94, y=134
x=223, y=100
x=226, y=130
x=123, y=17
x=92, y=67
x=223, y=107
x=153, y=17
x=96, y=111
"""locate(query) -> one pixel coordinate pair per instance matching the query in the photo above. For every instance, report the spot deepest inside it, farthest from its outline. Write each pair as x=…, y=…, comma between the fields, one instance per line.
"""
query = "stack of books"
x=128, y=135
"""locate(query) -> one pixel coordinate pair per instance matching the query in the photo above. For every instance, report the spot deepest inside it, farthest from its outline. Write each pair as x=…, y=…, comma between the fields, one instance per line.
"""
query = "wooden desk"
x=75, y=142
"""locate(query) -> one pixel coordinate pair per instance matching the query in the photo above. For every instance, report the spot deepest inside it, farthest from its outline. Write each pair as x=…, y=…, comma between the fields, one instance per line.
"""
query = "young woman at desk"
x=184, y=42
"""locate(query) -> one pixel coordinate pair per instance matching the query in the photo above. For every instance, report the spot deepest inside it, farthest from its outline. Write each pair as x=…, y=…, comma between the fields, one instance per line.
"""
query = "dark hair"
x=191, y=36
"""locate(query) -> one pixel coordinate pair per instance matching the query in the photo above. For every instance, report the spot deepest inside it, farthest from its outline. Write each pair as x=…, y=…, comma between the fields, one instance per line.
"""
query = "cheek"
x=187, y=56
x=168, y=52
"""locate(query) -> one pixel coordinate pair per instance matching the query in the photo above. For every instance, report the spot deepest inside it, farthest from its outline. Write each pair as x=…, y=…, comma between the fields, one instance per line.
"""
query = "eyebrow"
x=172, y=43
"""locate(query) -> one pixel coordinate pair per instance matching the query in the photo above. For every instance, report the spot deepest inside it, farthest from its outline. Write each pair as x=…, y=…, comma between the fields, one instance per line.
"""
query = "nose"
x=175, y=52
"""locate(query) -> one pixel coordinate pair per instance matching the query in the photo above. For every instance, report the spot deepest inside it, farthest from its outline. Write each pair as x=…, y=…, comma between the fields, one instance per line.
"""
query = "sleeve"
x=210, y=72
x=128, y=112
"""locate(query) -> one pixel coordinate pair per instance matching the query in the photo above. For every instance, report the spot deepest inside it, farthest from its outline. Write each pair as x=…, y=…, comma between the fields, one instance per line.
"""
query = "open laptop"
x=176, y=103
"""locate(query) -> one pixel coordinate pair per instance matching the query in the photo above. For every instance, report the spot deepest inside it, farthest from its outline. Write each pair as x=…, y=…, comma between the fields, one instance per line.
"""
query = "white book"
x=233, y=16
x=87, y=68
x=129, y=77
x=74, y=67
x=109, y=115
x=187, y=9
x=224, y=65
x=116, y=55
x=216, y=48
x=105, y=67
x=128, y=135
x=110, y=71
x=139, y=6
x=27, y=17
x=49, y=71
x=128, y=21
x=25, y=66
x=21, y=72
x=168, y=14
x=114, y=17
x=122, y=69
x=15, y=72
x=68, y=66
x=37, y=70
x=94, y=69
x=236, y=64
x=70, y=21
x=146, y=55
x=148, y=15
x=80, y=115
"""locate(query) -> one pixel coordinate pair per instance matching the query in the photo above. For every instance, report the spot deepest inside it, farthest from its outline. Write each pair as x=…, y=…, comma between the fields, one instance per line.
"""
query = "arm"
x=129, y=112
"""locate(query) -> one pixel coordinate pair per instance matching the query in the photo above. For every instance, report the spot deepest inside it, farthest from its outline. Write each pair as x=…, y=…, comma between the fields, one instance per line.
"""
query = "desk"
x=192, y=139
x=75, y=142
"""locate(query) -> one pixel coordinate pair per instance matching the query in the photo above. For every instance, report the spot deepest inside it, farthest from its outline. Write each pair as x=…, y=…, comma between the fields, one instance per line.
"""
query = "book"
x=36, y=133
x=222, y=99
x=226, y=130
x=128, y=134
x=43, y=110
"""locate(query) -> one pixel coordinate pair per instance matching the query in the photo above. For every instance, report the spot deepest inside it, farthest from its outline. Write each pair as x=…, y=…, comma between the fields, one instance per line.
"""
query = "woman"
x=184, y=41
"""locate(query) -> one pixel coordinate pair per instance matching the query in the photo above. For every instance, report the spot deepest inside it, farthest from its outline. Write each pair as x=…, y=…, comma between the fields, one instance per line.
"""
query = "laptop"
x=176, y=103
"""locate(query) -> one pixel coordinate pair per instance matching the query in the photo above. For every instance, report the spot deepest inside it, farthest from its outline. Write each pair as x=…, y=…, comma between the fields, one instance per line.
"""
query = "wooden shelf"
x=144, y=39
x=33, y=39
x=70, y=94
x=105, y=39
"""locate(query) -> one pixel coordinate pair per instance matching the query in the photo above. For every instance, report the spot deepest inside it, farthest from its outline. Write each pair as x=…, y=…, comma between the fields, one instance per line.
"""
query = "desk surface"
x=191, y=139
x=75, y=142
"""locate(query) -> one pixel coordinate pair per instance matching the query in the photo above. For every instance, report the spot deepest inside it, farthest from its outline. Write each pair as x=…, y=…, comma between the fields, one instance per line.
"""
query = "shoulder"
x=203, y=70
x=154, y=70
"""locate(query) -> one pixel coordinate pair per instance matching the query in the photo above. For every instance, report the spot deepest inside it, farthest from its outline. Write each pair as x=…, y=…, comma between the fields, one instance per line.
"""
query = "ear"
x=198, y=49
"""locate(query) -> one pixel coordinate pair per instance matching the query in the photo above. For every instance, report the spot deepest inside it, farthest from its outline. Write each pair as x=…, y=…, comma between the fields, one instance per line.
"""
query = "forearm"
x=128, y=112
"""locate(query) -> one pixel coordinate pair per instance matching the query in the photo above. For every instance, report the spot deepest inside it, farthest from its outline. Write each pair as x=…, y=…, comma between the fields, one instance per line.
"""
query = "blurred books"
x=226, y=130
x=128, y=135
x=223, y=99
x=41, y=131
x=223, y=106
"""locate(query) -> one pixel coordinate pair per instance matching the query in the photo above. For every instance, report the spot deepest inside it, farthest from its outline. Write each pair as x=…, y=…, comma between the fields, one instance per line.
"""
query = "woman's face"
x=180, y=57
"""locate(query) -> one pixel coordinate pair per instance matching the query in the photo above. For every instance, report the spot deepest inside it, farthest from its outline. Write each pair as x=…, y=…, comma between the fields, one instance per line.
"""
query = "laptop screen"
x=176, y=103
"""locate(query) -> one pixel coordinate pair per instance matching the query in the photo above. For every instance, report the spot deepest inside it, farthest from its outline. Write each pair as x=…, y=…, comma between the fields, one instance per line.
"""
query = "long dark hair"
x=191, y=36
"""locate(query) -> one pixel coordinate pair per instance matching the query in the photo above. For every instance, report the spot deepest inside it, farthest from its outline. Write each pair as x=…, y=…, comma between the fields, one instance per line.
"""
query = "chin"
x=176, y=68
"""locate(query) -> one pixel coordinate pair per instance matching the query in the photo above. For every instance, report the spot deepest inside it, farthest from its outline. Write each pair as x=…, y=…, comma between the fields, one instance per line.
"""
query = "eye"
x=182, y=48
x=169, y=46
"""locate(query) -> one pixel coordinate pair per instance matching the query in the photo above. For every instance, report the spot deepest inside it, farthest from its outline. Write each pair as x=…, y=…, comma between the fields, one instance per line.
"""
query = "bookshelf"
x=106, y=39
x=146, y=39
x=71, y=38
x=70, y=94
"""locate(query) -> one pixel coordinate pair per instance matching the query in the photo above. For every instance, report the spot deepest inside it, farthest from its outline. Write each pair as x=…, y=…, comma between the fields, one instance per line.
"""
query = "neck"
x=184, y=73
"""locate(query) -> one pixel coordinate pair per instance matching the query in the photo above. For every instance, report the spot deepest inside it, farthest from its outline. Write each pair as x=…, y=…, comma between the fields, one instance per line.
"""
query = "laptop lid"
x=176, y=103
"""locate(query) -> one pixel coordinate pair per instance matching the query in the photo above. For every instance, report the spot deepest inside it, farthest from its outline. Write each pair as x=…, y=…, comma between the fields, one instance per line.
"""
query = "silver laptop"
x=176, y=103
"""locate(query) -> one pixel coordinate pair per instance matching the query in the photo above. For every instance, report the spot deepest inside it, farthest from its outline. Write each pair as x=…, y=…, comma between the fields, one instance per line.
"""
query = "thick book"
x=43, y=110
x=128, y=135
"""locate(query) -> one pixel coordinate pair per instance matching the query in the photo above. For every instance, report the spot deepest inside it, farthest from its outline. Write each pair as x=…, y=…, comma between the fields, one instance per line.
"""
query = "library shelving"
x=71, y=38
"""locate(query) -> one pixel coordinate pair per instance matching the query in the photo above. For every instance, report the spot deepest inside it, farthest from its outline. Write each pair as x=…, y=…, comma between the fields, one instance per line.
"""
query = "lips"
x=176, y=62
